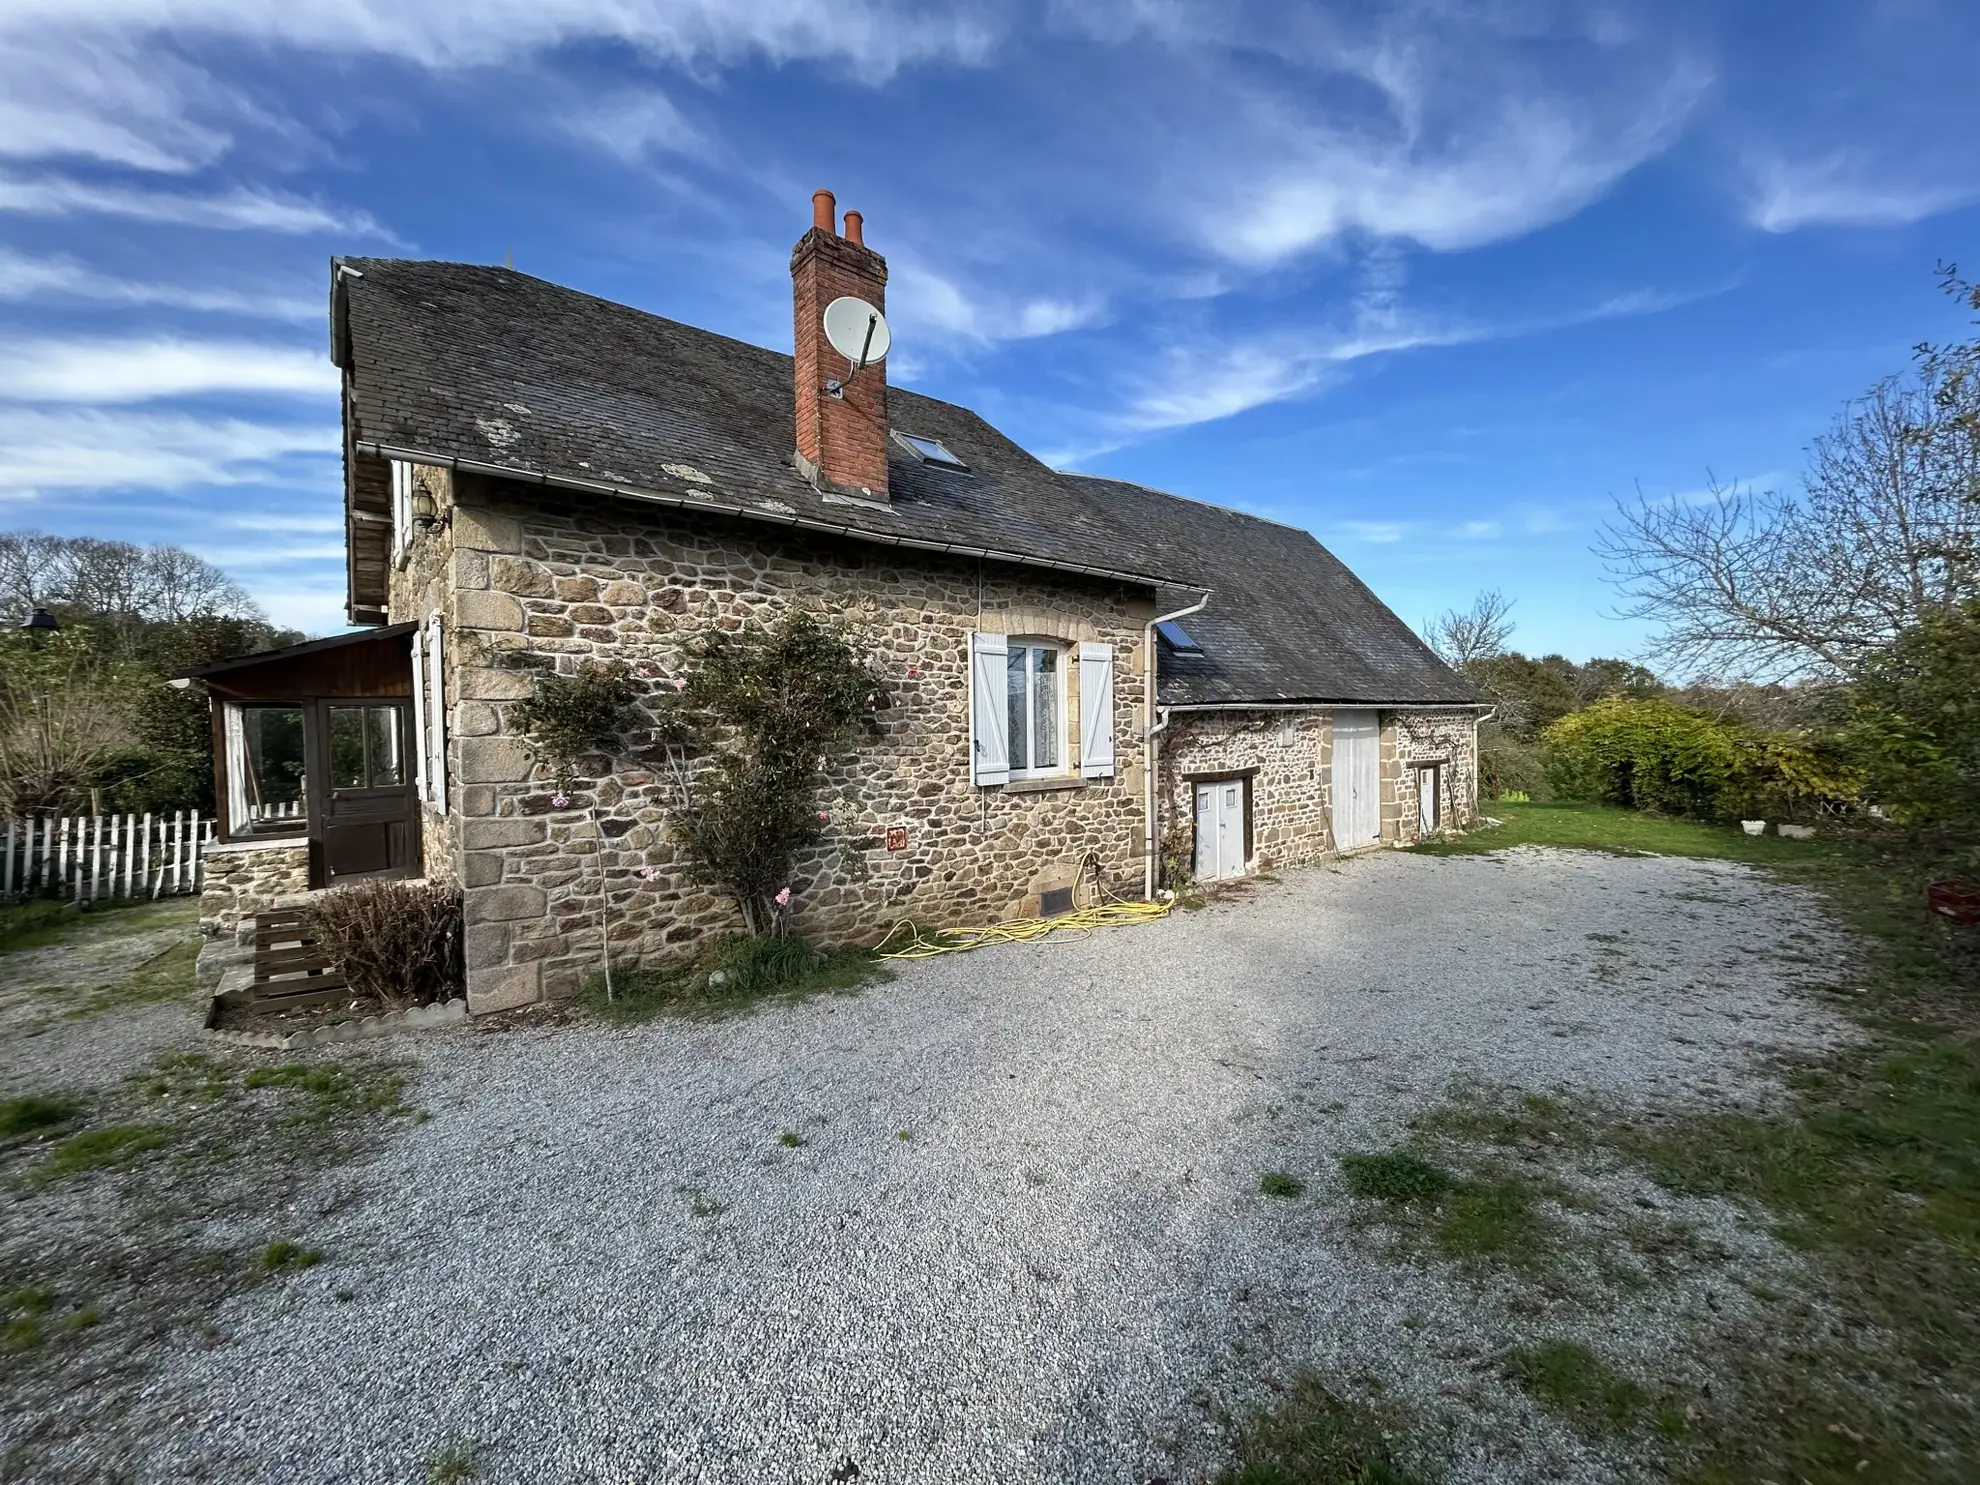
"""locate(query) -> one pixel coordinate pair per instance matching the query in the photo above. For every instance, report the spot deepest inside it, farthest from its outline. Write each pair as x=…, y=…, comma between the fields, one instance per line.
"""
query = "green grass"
x=1279, y=1183
x=1315, y=1437
x=168, y=975
x=282, y=1256
x=21, y=1314
x=1397, y=1176
x=1572, y=1382
x=25, y=1115
x=101, y=1149
x=1597, y=827
x=1870, y=1167
x=729, y=975
x=37, y=922
x=322, y=1094
x=790, y=1139
x=451, y=1464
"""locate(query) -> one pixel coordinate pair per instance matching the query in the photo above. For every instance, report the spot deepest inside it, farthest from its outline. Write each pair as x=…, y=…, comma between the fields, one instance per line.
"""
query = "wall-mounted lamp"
x=424, y=512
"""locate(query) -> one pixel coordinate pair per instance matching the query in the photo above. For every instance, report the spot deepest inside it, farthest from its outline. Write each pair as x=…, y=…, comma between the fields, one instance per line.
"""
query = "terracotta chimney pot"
x=855, y=228
x=823, y=209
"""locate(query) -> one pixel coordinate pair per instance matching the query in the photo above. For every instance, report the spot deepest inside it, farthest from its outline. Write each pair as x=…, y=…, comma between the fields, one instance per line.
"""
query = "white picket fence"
x=91, y=858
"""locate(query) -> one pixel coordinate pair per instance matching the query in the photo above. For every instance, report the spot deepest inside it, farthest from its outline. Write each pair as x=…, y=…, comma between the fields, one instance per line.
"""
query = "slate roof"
x=1287, y=621
x=491, y=369
x=512, y=374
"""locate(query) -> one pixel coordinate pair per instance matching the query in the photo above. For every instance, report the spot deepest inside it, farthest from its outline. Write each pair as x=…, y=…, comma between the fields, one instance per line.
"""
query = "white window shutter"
x=436, y=726
x=419, y=715
x=402, y=480
x=238, y=822
x=989, y=714
x=1096, y=710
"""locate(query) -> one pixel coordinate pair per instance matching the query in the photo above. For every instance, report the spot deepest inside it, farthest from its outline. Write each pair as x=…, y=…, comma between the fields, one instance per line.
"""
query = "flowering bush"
x=568, y=716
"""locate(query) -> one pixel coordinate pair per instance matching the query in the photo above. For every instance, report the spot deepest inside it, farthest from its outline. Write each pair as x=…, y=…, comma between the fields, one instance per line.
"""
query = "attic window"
x=931, y=451
x=1177, y=639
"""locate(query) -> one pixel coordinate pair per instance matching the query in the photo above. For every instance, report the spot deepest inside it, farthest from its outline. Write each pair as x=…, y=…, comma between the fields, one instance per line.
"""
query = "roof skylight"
x=1177, y=638
x=931, y=451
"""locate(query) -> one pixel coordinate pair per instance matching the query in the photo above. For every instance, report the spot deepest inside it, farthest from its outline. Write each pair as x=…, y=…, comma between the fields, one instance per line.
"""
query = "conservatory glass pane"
x=271, y=769
x=386, y=768
x=347, y=747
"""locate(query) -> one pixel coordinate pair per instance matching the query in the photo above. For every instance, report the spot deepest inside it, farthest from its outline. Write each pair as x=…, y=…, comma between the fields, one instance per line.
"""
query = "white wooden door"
x=1219, y=830
x=1429, y=808
x=1357, y=780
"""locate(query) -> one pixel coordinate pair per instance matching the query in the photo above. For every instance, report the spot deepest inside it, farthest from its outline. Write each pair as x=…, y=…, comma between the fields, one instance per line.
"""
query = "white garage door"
x=1357, y=780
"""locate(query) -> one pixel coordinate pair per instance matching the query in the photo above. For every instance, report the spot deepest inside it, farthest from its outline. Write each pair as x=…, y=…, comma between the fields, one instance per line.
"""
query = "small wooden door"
x=1357, y=804
x=1219, y=829
x=1429, y=802
x=367, y=819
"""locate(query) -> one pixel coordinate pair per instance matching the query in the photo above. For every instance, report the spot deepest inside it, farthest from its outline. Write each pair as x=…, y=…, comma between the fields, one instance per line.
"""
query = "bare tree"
x=1775, y=587
x=113, y=579
x=1478, y=633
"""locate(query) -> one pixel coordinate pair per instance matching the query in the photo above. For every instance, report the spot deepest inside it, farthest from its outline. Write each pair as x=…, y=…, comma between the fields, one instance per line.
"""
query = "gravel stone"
x=597, y=1260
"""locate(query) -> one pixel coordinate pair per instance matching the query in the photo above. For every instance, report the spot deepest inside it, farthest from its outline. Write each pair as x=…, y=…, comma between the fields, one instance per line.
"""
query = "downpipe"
x=1151, y=747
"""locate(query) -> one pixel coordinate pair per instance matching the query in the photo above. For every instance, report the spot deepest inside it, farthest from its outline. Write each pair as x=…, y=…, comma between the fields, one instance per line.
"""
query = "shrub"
x=1642, y=755
x=1915, y=724
x=567, y=716
x=732, y=972
x=1509, y=765
x=399, y=942
x=753, y=726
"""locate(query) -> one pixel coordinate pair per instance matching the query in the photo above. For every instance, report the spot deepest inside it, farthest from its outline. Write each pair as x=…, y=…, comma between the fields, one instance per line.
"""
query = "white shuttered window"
x=989, y=746
x=1096, y=710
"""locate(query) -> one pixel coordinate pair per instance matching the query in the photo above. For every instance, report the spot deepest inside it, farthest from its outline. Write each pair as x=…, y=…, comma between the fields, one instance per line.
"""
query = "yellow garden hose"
x=1016, y=930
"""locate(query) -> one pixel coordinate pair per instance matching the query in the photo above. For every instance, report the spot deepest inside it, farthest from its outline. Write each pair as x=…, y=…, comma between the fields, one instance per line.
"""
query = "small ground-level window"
x=265, y=769
x=1036, y=680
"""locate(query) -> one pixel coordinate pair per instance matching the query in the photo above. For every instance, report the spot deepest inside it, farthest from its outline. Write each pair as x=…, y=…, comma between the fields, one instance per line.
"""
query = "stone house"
x=1091, y=683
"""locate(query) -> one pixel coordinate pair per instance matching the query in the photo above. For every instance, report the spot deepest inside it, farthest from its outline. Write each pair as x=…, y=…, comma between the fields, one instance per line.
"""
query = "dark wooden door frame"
x=316, y=745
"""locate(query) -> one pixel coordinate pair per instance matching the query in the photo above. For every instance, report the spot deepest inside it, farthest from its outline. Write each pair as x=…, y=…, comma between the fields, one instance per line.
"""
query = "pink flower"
x=784, y=898
x=823, y=815
x=679, y=684
x=913, y=671
x=558, y=801
x=647, y=873
x=643, y=668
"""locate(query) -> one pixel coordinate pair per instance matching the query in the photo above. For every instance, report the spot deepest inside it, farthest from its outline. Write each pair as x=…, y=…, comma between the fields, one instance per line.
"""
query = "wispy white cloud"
x=1847, y=188
x=241, y=209
x=23, y=277
x=923, y=300
x=1482, y=530
x=45, y=453
x=112, y=371
x=634, y=126
x=1381, y=533
x=265, y=522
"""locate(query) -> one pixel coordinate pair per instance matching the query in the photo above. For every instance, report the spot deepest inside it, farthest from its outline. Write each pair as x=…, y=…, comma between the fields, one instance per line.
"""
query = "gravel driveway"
x=1022, y=1239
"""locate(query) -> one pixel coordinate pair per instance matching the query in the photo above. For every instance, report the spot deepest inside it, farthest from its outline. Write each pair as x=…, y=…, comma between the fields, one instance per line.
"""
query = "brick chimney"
x=842, y=438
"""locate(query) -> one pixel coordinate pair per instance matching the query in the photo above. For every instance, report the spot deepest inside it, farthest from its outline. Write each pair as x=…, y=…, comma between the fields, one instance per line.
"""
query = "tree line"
x=1813, y=650
x=88, y=721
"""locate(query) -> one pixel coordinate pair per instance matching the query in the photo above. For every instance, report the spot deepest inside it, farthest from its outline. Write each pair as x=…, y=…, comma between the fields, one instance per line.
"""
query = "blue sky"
x=1433, y=280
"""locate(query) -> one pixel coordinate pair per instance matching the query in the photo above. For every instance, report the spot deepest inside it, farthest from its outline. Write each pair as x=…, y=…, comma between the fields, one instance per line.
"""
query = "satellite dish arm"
x=872, y=323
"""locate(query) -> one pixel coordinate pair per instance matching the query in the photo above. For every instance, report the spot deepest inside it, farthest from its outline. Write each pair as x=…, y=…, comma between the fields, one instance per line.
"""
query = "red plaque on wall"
x=897, y=837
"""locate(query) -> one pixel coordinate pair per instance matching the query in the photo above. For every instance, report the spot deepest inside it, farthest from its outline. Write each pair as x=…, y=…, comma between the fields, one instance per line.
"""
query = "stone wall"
x=245, y=877
x=566, y=577
x=1292, y=753
x=1411, y=740
x=422, y=584
x=1289, y=755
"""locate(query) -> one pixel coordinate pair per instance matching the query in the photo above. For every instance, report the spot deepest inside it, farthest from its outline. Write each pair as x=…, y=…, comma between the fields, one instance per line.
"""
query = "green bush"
x=1510, y=765
x=1915, y=723
x=1642, y=755
x=1652, y=754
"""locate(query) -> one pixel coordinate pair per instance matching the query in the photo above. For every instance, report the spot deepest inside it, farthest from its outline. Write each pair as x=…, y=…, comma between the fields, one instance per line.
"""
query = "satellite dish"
x=856, y=331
